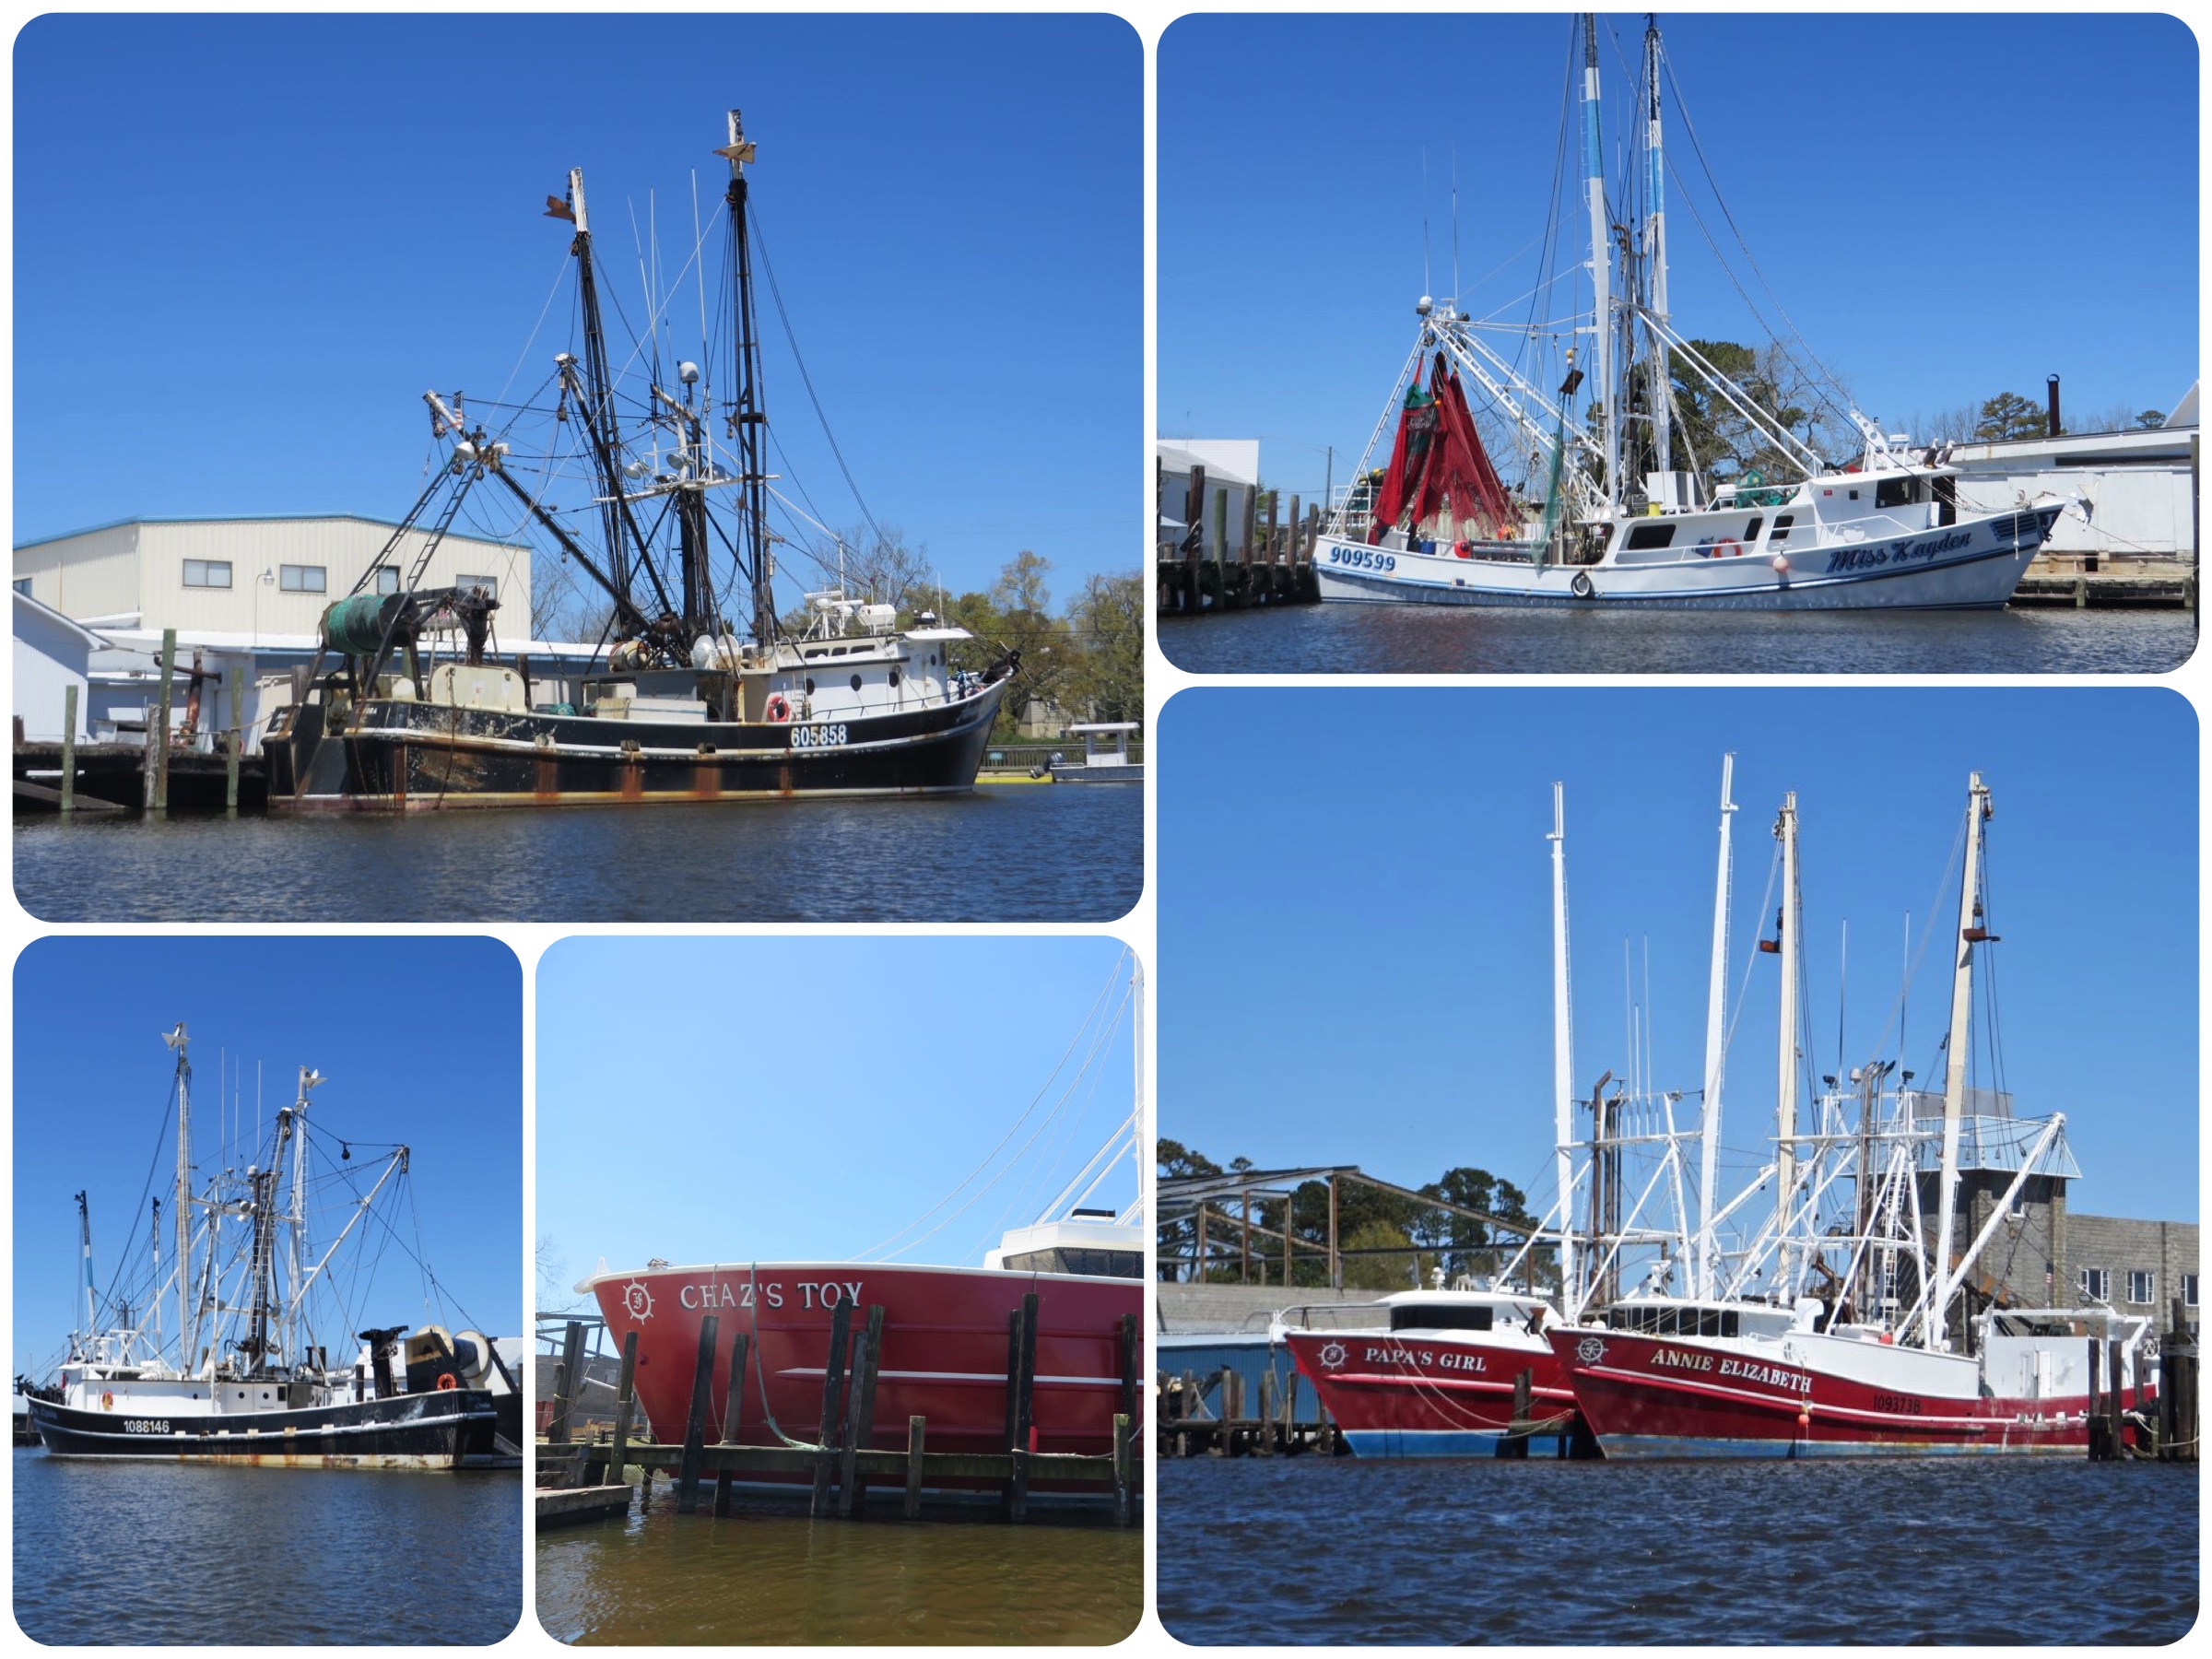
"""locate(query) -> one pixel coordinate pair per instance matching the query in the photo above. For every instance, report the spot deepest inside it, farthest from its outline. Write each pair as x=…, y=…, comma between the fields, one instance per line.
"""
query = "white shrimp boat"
x=1436, y=525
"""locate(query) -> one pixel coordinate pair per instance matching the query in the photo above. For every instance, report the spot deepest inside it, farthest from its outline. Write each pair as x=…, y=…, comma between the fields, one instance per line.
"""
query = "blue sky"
x=1947, y=206
x=420, y=1041
x=245, y=245
x=833, y=1091
x=1384, y=998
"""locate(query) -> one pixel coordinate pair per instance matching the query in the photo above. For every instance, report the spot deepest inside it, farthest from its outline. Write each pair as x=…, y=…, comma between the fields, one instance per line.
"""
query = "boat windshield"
x=1091, y=1262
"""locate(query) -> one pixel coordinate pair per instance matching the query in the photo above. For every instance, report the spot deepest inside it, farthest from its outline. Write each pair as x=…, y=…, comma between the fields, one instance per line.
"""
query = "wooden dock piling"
x=567, y=1382
x=1524, y=1400
x=732, y=1413
x=157, y=737
x=833, y=1376
x=2177, y=1389
x=859, y=1415
x=625, y=1400
x=1022, y=1379
x=68, y=749
x=917, y=1434
x=695, y=1421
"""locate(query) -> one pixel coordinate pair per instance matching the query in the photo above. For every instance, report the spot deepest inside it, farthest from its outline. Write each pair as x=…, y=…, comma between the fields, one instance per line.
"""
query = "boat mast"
x=1562, y=1050
x=1654, y=251
x=595, y=398
x=84, y=1238
x=297, y=1243
x=1717, y=998
x=748, y=421
x=1960, y=1044
x=1785, y=1086
x=1601, y=257
x=180, y=1041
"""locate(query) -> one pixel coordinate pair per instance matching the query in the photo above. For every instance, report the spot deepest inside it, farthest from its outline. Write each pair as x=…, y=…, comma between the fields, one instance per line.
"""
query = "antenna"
x=1455, y=293
x=1427, y=287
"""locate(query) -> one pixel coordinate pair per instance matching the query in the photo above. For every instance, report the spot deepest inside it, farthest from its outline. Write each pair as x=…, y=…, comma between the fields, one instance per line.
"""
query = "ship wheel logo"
x=637, y=1301
x=1591, y=1350
x=1333, y=1354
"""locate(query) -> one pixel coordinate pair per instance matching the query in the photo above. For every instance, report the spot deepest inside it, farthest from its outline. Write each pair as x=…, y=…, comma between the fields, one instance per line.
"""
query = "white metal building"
x=52, y=654
x=1232, y=471
x=2140, y=486
x=254, y=577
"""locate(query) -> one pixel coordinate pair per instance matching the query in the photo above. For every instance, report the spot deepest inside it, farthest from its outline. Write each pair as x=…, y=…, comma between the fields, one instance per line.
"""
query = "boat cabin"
x=1766, y=520
x=1467, y=1310
x=1089, y=1242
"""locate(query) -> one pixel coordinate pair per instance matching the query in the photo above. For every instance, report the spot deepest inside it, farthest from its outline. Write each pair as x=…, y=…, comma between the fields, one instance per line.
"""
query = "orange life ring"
x=779, y=707
x=107, y=1401
x=446, y=1380
x=1727, y=547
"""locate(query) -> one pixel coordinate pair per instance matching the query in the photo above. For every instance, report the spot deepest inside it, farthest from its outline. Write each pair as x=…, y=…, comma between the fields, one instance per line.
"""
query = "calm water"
x=1357, y=638
x=2001, y=1552
x=757, y=1578
x=144, y=1554
x=1020, y=854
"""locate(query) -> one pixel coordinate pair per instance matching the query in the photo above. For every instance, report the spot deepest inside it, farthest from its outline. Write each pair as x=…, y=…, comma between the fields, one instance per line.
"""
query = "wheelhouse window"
x=1674, y=1321
x=22, y=585
x=1643, y=537
x=1095, y=1264
x=207, y=572
x=1896, y=492
x=303, y=579
x=1782, y=527
x=1435, y=1317
x=1751, y=532
x=2141, y=1287
x=490, y=584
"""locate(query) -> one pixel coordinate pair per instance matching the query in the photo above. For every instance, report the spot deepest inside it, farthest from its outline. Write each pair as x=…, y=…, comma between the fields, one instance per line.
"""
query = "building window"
x=2188, y=1289
x=2141, y=1287
x=207, y=572
x=2096, y=1284
x=22, y=585
x=301, y=578
x=387, y=579
x=490, y=584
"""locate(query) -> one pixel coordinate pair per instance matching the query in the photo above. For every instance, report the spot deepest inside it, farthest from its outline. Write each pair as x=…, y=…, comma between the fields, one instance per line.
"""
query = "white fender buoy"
x=1781, y=564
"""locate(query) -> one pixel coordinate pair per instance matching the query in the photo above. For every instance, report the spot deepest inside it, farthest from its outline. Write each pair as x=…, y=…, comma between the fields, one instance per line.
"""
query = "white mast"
x=1716, y=1000
x=296, y=1268
x=1562, y=1049
x=1654, y=251
x=1958, y=1044
x=179, y=1041
x=1786, y=1086
x=1601, y=257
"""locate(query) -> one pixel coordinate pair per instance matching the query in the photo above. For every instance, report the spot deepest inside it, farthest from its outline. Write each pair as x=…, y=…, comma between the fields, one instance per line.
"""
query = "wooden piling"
x=833, y=1372
x=859, y=1415
x=2101, y=1406
x=733, y=1413
x=157, y=782
x=2113, y=1369
x=235, y=735
x=567, y=1383
x=1267, y=1445
x=1194, y=538
x=1025, y=1412
x=1124, y=1466
x=625, y=1403
x=695, y=1422
x=68, y=749
x=917, y=1432
x=2177, y=1390
x=1515, y=1443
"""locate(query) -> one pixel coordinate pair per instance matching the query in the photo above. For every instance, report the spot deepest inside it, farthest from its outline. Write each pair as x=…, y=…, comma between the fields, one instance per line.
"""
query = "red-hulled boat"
x=1767, y=1382
x=1439, y=1380
x=944, y=1341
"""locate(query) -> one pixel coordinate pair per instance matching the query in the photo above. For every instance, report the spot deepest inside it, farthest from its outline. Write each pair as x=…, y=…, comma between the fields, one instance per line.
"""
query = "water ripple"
x=2001, y=1552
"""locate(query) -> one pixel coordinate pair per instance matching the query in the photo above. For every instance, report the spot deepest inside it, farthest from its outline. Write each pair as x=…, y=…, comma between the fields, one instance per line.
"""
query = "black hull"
x=439, y=1431
x=413, y=757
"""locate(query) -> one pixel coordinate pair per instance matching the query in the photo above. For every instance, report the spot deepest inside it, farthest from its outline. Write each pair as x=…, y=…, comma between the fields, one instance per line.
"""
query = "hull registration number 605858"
x=817, y=737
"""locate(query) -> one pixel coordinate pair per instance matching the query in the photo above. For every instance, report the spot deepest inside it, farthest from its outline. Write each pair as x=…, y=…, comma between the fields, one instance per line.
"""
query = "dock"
x=2088, y=581
x=1270, y=564
x=833, y=1472
x=571, y=1506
